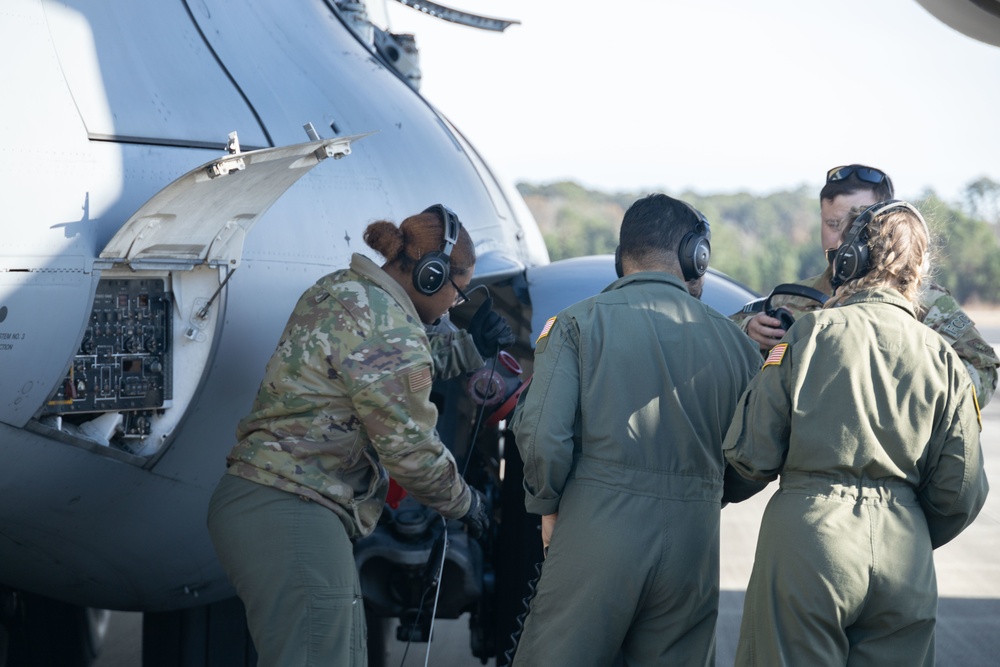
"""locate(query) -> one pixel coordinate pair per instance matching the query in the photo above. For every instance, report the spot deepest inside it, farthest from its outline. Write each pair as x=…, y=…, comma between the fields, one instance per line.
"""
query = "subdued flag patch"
x=776, y=356
x=419, y=379
x=546, y=329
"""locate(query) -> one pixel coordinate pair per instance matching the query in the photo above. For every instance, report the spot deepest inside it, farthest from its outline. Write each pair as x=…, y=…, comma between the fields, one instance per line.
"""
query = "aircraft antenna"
x=203, y=313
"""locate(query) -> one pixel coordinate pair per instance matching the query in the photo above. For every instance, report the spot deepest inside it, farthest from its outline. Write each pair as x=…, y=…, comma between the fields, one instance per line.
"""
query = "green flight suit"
x=938, y=309
x=871, y=421
x=621, y=433
x=344, y=403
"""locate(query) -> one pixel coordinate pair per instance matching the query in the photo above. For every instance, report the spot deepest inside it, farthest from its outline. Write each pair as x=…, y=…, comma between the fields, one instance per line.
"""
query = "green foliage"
x=576, y=221
x=982, y=200
x=967, y=255
x=763, y=241
x=592, y=235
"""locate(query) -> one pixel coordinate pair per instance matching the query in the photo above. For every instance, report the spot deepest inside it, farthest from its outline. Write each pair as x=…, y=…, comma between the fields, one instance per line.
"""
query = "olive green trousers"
x=292, y=565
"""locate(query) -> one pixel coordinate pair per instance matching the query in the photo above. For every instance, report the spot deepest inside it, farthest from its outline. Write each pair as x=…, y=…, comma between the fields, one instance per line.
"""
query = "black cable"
x=434, y=576
x=409, y=637
x=436, y=580
x=479, y=419
x=515, y=637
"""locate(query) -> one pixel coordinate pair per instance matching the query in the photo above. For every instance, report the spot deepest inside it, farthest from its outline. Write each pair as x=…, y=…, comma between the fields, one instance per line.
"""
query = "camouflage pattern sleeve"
x=742, y=317
x=940, y=311
x=454, y=352
x=346, y=399
x=392, y=400
x=796, y=305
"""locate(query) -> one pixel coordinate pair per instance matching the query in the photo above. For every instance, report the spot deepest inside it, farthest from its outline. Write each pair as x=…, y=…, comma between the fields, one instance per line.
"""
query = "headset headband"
x=877, y=209
x=451, y=226
x=433, y=269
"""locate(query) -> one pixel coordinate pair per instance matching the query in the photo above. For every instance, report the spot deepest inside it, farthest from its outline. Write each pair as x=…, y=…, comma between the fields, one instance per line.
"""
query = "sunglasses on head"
x=866, y=174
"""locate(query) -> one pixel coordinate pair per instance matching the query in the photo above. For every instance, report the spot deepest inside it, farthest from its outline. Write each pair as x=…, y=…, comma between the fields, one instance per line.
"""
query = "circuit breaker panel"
x=124, y=361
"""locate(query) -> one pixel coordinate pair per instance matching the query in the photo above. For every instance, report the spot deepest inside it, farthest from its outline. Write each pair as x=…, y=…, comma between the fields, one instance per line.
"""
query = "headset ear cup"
x=694, y=254
x=786, y=317
x=851, y=261
x=702, y=255
x=430, y=273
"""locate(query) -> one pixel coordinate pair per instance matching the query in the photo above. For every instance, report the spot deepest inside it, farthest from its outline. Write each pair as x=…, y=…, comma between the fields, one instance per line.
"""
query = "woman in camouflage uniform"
x=345, y=402
x=871, y=420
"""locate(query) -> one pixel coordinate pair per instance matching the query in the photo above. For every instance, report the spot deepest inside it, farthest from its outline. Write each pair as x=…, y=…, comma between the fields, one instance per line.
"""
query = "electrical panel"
x=124, y=361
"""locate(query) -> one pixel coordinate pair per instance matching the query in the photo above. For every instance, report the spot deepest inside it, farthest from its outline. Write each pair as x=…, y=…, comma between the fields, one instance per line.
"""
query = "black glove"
x=476, y=520
x=489, y=330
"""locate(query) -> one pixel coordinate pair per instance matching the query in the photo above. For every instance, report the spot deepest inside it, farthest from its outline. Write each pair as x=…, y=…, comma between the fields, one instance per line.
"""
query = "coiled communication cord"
x=515, y=637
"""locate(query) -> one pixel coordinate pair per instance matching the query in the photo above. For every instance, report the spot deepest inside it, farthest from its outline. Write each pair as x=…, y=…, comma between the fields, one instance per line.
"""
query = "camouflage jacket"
x=938, y=309
x=345, y=401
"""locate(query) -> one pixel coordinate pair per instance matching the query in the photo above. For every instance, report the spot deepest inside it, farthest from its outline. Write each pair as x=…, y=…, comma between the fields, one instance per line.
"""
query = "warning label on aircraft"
x=7, y=340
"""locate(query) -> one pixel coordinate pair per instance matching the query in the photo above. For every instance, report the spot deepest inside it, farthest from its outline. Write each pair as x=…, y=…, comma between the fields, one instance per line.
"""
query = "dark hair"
x=418, y=235
x=848, y=186
x=654, y=226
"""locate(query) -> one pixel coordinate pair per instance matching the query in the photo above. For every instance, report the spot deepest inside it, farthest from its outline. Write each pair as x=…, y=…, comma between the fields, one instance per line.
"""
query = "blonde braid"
x=897, y=246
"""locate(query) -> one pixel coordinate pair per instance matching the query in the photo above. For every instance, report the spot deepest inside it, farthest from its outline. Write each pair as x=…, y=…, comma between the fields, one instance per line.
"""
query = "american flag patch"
x=546, y=329
x=419, y=379
x=776, y=355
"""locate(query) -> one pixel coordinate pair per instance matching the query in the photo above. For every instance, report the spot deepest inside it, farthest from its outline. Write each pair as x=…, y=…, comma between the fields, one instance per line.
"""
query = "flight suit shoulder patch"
x=776, y=355
x=543, y=337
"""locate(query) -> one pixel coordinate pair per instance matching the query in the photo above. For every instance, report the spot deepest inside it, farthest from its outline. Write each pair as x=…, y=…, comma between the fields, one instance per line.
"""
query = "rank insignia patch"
x=776, y=356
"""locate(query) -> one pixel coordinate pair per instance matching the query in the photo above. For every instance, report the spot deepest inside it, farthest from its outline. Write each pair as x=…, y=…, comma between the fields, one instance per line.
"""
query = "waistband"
x=846, y=487
x=642, y=481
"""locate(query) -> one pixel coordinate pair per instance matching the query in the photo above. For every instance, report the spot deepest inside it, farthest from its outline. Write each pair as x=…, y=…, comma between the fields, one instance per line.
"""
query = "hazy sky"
x=715, y=95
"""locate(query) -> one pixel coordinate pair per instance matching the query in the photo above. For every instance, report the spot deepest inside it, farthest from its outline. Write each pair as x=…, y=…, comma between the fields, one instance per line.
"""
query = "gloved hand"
x=476, y=520
x=489, y=330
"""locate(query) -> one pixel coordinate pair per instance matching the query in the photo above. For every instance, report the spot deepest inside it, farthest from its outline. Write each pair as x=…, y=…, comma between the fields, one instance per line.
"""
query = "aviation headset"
x=431, y=271
x=693, y=251
x=852, y=259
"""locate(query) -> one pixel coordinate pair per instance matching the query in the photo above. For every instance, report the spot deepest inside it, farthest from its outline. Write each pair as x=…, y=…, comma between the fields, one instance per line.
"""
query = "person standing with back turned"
x=871, y=420
x=860, y=185
x=621, y=436
x=344, y=403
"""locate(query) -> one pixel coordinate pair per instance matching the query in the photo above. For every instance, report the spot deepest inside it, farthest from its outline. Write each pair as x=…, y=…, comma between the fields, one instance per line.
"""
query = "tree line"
x=764, y=240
